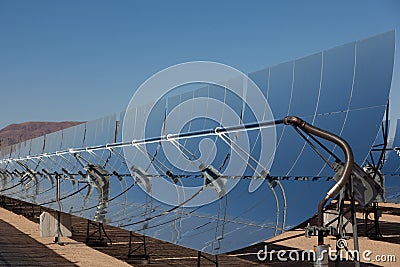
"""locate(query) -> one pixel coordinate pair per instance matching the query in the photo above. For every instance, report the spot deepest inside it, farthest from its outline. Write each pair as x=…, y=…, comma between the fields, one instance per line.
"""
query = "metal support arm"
x=347, y=169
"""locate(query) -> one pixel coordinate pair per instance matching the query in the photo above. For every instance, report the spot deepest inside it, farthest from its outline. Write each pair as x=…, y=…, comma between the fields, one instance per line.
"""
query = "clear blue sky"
x=80, y=60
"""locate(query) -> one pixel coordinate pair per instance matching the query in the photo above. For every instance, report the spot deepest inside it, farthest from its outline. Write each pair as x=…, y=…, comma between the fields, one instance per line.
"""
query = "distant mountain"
x=16, y=133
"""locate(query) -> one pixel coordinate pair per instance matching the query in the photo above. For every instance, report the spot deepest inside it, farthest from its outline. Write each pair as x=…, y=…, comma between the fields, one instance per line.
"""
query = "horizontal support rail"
x=163, y=138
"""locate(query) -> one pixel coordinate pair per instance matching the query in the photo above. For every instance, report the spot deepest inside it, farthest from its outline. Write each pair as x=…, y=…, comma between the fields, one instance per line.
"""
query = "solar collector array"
x=343, y=90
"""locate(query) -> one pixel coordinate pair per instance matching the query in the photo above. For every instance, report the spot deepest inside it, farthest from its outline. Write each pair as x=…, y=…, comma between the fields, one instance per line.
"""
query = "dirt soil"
x=20, y=245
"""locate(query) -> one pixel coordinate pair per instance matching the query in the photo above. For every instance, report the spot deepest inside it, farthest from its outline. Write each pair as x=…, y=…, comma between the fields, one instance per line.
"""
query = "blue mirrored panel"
x=37, y=146
x=306, y=82
x=26, y=150
x=73, y=137
x=280, y=89
x=374, y=67
x=337, y=79
x=340, y=106
x=53, y=142
x=46, y=166
x=392, y=164
x=343, y=90
x=367, y=121
x=378, y=155
x=261, y=79
x=392, y=188
x=391, y=169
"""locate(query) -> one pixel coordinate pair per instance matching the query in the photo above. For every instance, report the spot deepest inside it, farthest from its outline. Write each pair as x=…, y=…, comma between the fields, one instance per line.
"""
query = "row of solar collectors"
x=339, y=90
x=128, y=205
x=353, y=109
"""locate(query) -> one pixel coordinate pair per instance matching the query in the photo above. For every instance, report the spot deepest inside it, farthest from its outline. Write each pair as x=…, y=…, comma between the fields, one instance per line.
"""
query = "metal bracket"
x=212, y=178
x=101, y=239
x=200, y=255
x=140, y=258
x=374, y=230
x=100, y=179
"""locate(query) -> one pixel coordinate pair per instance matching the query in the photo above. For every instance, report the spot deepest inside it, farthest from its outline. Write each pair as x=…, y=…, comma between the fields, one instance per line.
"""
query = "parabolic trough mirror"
x=170, y=168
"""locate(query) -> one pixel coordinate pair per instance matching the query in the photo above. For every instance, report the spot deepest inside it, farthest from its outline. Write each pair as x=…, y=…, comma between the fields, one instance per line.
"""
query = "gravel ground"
x=20, y=244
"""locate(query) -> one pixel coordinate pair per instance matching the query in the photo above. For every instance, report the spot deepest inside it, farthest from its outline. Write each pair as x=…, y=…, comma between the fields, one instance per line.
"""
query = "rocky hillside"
x=16, y=133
